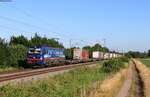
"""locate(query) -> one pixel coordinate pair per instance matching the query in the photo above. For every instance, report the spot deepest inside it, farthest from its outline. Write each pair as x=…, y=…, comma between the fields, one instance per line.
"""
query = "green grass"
x=65, y=85
x=2, y=69
x=146, y=62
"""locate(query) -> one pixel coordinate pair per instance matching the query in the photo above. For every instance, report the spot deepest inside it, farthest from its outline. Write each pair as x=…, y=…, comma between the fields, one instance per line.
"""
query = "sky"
x=123, y=24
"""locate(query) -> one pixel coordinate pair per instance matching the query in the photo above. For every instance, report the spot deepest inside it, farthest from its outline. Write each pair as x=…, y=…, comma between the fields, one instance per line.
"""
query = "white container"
x=96, y=55
x=111, y=55
x=106, y=56
x=77, y=53
x=101, y=55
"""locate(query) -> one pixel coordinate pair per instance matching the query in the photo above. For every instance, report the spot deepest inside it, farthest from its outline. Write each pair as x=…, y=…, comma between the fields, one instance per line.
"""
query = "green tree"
x=19, y=40
x=135, y=54
x=38, y=41
x=5, y=59
x=69, y=53
x=18, y=54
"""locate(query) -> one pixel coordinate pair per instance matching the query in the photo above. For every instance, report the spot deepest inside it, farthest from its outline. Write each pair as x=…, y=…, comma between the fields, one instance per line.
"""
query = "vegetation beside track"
x=71, y=84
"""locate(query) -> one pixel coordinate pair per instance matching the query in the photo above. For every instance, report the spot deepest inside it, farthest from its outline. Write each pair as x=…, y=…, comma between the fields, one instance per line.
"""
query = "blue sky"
x=125, y=24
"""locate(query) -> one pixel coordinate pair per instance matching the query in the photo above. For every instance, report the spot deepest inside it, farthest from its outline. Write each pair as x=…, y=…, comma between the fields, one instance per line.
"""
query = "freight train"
x=49, y=56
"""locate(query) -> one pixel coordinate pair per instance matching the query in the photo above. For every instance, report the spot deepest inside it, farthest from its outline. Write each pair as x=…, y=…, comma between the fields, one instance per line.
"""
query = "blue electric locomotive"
x=46, y=56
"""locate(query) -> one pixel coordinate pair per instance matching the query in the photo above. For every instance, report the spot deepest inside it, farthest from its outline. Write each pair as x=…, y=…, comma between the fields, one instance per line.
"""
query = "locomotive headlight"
x=41, y=58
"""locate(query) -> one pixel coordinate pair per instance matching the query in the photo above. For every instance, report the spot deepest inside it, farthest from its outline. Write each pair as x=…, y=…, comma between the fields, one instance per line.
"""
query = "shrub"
x=113, y=65
x=124, y=59
x=5, y=59
x=18, y=54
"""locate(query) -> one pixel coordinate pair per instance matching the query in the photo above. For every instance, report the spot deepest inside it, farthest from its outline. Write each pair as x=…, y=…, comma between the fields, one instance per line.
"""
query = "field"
x=66, y=85
x=146, y=61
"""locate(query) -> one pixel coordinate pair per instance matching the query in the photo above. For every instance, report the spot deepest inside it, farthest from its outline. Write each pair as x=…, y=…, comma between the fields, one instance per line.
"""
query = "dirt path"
x=127, y=84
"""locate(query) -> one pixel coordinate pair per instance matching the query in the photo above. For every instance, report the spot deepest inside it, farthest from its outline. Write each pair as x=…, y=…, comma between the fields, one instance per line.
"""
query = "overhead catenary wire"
x=12, y=28
x=35, y=18
x=21, y=22
x=28, y=14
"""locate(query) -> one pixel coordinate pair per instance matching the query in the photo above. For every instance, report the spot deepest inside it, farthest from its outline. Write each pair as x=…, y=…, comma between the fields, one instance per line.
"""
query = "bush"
x=18, y=54
x=113, y=65
x=5, y=60
x=124, y=59
x=12, y=55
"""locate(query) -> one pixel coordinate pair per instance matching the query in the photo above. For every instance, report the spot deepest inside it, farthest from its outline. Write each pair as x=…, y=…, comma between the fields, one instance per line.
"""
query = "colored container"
x=79, y=54
x=85, y=55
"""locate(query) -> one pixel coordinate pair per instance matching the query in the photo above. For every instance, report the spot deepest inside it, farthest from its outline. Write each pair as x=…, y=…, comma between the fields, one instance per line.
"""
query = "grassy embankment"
x=75, y=83
x=145, y=75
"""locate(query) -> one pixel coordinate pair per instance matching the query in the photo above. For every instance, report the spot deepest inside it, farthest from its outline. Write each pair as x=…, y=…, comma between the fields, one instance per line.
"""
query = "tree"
x=19, y=40
x=69, y=53
x=133, y=54
x=18, y=53
x=38, y=41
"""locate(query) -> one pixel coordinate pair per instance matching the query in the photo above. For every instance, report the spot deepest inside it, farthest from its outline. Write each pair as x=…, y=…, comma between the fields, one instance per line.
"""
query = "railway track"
x=7, y=76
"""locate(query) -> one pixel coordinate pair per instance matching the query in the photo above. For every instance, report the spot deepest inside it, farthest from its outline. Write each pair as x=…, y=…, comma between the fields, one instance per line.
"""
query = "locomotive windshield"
x=34, y=51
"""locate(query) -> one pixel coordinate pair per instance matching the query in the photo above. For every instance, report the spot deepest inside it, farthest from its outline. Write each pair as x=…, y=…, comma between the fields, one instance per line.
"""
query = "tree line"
x=136, y=54
x=14, y=52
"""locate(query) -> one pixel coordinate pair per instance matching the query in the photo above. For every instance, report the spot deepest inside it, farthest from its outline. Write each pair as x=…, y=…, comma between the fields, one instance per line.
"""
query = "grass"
x=146, y=61
x=134, y=85
x=145, y=75
x=65, y=85
x=110, y=86
x=74, y=83
x=9, y=69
